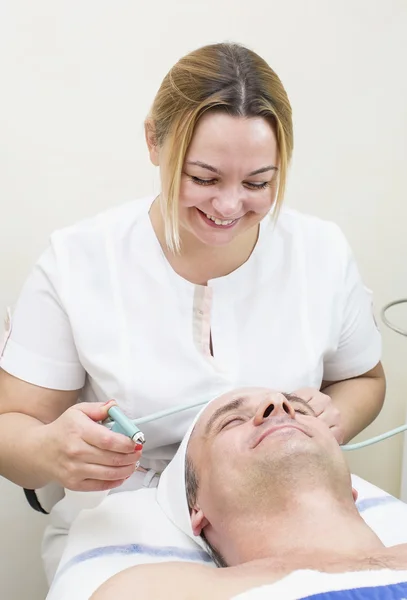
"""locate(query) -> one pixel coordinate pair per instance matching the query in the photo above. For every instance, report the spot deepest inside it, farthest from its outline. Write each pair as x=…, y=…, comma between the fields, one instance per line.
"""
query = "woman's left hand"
x=324, y=409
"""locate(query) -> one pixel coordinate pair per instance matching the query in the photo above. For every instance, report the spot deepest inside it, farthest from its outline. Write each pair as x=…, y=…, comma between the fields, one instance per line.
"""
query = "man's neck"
x=311, y=527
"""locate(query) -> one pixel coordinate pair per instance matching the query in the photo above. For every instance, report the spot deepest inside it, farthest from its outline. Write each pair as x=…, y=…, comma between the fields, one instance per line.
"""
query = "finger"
x=320, y=404
x=97, y=411
x=329, y=417
x=96, y=485
x=317, y=407
x=337, y=432
x=305, y=394
x=103, y=473
x=101, y=437
x=111, y=459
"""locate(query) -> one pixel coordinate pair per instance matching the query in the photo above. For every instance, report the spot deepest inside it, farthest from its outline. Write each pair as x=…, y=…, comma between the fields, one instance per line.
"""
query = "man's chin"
x=296, y=449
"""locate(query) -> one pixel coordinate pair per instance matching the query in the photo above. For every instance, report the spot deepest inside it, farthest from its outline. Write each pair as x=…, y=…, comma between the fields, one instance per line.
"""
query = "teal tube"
x=375, y=440
x=168, y=412
x=123, y=424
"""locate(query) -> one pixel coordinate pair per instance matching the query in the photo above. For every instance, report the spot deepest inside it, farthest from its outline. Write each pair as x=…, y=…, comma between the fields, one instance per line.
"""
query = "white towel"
x=124, y=530
x=308, y=585
x=171, y=489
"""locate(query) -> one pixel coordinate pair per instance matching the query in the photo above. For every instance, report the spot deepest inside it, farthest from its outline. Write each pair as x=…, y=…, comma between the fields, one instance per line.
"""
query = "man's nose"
x=273, y=405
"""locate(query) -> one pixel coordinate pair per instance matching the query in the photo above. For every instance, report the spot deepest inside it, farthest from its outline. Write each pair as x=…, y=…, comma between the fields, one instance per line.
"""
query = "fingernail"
x=138, y=447
x=108, y=402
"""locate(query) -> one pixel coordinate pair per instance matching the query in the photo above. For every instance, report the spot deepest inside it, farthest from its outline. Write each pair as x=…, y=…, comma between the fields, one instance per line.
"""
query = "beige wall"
x=77, y=79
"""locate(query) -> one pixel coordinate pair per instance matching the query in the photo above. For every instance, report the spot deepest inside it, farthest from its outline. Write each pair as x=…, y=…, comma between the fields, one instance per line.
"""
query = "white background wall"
x=77, y=79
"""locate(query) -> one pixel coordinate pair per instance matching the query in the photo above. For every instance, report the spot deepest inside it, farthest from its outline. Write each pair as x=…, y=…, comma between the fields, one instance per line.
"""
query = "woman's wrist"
x=42, y=459
x=23, y=443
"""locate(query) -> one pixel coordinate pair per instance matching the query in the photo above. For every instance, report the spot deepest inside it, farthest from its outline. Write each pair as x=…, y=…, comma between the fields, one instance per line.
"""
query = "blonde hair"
x=216, y=77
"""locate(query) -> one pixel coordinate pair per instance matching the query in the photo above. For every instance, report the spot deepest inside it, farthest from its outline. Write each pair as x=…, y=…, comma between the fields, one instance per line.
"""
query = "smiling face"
x=253, y=446
x=229, y=178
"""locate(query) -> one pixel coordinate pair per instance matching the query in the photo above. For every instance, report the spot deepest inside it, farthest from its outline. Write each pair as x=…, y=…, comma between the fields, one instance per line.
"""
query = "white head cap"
x=171, y=493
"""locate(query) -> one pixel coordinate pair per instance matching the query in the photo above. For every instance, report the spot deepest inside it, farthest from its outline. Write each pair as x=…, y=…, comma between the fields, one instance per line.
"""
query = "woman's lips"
x=213, y=224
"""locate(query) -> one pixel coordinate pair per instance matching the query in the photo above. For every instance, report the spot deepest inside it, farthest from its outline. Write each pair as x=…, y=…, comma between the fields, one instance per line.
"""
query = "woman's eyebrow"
x=263, y=170
x=198, y=163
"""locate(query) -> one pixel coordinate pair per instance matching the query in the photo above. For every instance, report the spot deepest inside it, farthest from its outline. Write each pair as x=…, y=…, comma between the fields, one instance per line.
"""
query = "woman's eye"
x=250, y=185
x=257, y=186
x=200, y=181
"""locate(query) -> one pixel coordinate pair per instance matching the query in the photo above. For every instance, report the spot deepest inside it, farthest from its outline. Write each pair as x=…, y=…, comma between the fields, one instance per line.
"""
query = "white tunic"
x=104, y=309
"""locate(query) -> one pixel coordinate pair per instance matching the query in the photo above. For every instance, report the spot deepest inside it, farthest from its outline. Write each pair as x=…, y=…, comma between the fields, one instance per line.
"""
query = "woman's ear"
x=151, y=139
x=198, y=520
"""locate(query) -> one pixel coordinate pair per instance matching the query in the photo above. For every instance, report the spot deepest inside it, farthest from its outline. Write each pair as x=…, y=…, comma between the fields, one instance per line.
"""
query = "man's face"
x=251, y=445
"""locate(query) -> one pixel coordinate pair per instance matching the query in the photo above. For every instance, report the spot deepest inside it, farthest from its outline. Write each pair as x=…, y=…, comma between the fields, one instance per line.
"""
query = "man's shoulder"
x=158, y=581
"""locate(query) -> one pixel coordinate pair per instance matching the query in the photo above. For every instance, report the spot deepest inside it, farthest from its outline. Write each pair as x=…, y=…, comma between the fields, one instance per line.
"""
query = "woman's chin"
x=214, y=238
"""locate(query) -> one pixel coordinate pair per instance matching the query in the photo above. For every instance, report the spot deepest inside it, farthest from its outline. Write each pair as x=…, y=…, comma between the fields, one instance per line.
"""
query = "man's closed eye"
x=233, y=420
x=302, y=411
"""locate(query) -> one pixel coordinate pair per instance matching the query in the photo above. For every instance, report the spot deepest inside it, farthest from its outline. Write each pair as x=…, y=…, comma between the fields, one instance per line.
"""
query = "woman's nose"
x=228, y=205
x=273, y=405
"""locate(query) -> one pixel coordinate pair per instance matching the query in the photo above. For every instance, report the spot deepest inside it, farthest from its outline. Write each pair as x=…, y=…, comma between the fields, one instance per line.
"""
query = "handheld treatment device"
x=119, y=423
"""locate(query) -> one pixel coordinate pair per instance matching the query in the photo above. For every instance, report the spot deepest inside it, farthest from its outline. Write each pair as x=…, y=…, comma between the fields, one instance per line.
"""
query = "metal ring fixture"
x=387, y=322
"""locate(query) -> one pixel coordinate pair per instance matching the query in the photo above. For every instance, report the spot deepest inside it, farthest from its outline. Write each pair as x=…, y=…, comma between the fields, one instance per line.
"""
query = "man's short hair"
x=191, y=483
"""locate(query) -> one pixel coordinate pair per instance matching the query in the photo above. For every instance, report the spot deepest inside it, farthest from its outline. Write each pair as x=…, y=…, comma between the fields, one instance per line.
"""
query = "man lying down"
x=264, y=485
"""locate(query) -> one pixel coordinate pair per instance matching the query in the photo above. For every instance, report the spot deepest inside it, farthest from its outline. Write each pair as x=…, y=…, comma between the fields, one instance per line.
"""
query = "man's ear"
x=151, y=139
x=198, y=520
x=355, y=494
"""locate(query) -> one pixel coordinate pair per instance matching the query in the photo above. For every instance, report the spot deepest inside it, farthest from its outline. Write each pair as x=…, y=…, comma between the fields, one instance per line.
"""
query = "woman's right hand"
x=83, y=455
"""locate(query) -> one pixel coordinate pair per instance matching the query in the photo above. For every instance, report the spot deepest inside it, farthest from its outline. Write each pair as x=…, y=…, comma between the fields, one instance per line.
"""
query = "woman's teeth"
x=219, y=221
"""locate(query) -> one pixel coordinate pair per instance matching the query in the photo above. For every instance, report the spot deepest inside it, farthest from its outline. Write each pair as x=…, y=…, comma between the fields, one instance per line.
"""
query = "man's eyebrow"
x=198, y=163
x=223, y=410
x=294, y=398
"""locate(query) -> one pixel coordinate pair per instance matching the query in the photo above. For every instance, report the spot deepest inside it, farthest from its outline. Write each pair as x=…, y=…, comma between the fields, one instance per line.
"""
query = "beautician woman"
x=209, y=286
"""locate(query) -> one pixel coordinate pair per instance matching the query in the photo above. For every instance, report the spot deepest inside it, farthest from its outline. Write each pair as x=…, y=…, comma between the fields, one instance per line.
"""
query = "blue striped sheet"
x=168, y=552
x=367, y=503
x=393, y=591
